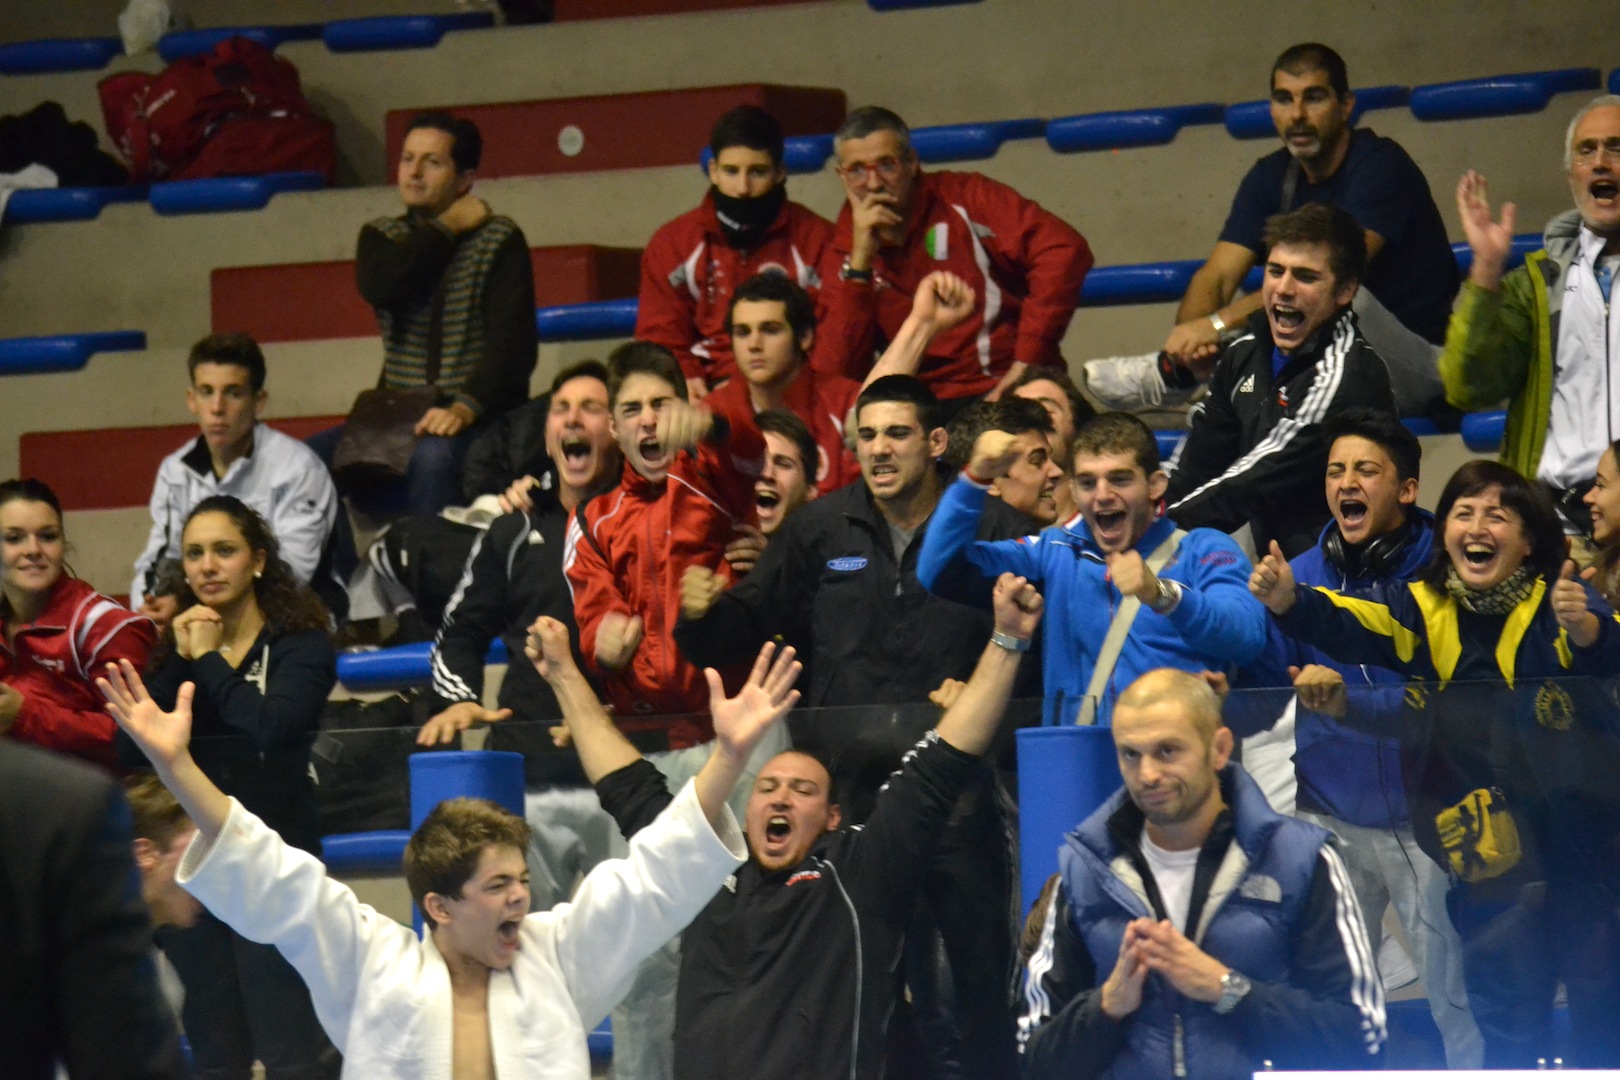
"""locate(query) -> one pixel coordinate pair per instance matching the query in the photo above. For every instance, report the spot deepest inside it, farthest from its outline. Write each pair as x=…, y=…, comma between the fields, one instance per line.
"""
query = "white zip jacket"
x=383, y=994
x=280, y=477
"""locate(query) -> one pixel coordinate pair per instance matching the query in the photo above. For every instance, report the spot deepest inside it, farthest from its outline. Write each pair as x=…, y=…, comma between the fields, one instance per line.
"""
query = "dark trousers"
x=244, y=1002
x=1519, y=940
x=432, y=480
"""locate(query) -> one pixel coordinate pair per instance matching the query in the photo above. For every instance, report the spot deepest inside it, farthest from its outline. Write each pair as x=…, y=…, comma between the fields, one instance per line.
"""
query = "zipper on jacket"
x=1180, y=1050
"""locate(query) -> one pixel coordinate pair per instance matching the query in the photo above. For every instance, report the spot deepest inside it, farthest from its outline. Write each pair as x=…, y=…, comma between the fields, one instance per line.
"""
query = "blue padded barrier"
x=591, y=321
x=399, y=31
x=1614, y=81
x=400, y=666
x=1252, y=119
x=367, y=854
x=59, y=54
x=1482, y=431
x=901, y=5
x=1064, y=773
x=1142, y=283
x=1499, y=95
x=67, y=204
x=63, y=352
x=179, y=44
x=227, y=193
x=1137, y=127
x=971, y=142
x=800, y=153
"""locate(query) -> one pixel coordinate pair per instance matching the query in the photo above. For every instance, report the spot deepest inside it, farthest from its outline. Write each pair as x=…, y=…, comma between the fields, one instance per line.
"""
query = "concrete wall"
x=997, y=59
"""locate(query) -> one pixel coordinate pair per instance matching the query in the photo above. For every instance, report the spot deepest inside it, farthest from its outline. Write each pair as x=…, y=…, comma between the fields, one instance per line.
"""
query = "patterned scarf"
x=1499, y=599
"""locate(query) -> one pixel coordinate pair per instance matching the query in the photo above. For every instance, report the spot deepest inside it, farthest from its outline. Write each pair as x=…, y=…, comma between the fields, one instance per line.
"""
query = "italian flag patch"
x=935, y=242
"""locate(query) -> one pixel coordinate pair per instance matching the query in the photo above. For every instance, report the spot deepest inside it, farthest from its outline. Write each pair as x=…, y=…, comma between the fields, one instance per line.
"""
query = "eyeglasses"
x=887, y=169
x=1590, y=151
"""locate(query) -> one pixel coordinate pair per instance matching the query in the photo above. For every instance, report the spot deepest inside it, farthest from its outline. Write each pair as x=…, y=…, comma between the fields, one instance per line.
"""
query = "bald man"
x=1194, y=931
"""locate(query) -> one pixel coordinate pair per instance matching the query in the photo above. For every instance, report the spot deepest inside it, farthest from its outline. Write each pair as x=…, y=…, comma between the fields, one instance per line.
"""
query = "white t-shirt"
x=1585, y=415
x=1173, y=874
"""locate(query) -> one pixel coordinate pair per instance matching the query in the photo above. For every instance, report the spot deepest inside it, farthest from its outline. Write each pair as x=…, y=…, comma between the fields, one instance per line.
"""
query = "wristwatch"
x=849, y=273
x=1217, y=322
x=1234, y=987
x=1008, y=642
x=1166, y=599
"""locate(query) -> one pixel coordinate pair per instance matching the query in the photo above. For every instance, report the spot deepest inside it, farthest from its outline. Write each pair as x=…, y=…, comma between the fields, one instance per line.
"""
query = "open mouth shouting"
x=1605, y=191
x=1353, y=519
x=1480, y=566
x=778, y=834
x=1111, y=529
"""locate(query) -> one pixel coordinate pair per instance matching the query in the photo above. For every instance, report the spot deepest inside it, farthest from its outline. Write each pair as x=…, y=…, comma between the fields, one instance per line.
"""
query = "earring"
x=258, y=573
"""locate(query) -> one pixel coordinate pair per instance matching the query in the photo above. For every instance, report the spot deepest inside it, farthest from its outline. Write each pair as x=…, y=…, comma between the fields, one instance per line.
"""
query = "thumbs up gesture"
x=1272, y=582
x=1569, y=605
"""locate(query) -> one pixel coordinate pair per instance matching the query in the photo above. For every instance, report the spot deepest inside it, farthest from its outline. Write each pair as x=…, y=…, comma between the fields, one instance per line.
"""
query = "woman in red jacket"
x=58, y=632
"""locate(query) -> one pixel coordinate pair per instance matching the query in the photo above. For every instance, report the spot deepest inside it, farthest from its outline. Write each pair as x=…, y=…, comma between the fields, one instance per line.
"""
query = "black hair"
x=906, y=389
x=288, y=605
x=643, y=358
x=1380, y=427
x=1330, y=226
x=1014, y=415
x=1537, y=516
x=772, y=285
x=1079, y=407
x=1313, y=56
x=787, y=424
x=30, y=490
x=748, y=126
x=466, y=143
x=585, y=369
x=237, y=349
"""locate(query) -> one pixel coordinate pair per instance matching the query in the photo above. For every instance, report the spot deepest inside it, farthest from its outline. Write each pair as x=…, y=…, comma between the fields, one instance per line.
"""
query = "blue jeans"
x=432, y=480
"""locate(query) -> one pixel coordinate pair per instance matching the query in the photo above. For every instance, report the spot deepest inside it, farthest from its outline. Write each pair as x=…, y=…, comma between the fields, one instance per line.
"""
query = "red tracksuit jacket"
x=822, y=402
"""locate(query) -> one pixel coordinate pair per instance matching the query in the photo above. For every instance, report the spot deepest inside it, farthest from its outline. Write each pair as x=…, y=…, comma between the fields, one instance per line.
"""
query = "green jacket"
x=1500, y=344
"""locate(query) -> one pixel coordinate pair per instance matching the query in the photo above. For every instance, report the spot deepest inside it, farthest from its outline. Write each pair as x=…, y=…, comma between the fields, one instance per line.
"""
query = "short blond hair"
x=1171, y=685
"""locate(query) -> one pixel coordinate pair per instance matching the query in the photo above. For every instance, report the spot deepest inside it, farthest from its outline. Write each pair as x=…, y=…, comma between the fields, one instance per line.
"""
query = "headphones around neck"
x=1379, y=557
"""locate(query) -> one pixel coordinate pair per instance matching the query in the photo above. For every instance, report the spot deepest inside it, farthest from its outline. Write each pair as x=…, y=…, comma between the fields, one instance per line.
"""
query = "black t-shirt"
x=1415, y=275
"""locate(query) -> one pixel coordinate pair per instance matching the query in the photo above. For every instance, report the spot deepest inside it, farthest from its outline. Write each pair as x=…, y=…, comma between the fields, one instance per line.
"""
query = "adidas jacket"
x=1255, y=454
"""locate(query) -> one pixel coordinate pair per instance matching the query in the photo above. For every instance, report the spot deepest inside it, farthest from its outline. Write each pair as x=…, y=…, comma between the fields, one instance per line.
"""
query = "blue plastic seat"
x=592, y=321
x=399, y=31
x=1523, y=244
x=1482, y=432
x=63, y=352
x=971, y=142
x=1421, y=426
x=226, y=193
x=1136, y=127
x=1614, y=81
x=398, y=667
x=59, y=54
x=1169, y=442
x=600, y=1042
x=1252, y=119
x=68, y=204
x=1499, y=95
x=365, y=854
x=179, y=44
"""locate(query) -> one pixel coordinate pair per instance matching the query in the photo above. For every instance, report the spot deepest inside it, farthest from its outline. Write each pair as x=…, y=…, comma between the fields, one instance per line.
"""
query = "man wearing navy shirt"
x=1411, y=276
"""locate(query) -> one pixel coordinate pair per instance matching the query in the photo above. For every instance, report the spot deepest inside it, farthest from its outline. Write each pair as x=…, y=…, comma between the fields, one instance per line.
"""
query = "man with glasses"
x=1025, y=264
x=1544, y=334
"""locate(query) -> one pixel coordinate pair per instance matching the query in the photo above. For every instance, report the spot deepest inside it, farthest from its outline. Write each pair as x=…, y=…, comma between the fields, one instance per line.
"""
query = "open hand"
x=162, y=736
x=1491, y=240
x=445, y=422
x=444, y=727
x=740, y=722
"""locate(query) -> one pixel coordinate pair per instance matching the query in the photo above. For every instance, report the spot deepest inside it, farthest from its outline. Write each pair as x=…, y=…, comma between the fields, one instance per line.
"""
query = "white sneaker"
x=1131, y=382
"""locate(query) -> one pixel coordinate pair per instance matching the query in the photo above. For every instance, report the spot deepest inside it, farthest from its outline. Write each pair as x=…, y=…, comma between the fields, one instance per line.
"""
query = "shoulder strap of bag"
x=1119, y=629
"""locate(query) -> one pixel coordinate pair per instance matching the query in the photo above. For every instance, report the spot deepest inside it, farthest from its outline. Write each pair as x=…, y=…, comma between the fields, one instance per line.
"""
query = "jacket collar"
x=1415, y=550
x=1253, y=819
x=717, y=234
x=201, y=462
x=1155, y=535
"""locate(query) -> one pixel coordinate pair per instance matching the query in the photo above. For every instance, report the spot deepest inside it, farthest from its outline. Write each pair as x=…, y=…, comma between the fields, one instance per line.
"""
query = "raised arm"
x=970, y=723
x=942, y=300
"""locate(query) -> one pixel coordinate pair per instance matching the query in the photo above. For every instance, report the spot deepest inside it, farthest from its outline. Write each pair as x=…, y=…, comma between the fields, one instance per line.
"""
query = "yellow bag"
x=1479, y=836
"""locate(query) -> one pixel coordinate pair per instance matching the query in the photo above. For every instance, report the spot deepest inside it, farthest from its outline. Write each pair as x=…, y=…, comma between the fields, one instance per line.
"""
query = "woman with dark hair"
x=256, y=645
x=57, y=632
x=1602, y=499
x=1509, y=760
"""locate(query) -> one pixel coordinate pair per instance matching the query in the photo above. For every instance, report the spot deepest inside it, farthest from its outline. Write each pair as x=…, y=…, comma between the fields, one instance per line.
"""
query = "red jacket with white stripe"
x=1025, y=264
x=626, y=551
x=689, y=271
x=822, y=402
x=54, y=660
